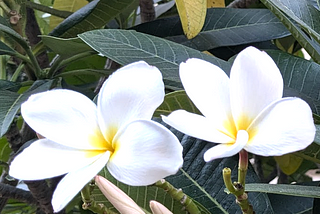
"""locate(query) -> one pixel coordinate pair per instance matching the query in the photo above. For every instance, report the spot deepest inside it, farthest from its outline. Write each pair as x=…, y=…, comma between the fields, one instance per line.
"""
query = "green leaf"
x=92, y=16
x=223, y=27
x=301, y=78
x=303, y=13
x=285, y=189
x=127, y=46
x=10, y=86
x=311, y=46
x=288, y=163
x=5, y=49
x=14, y=35
x=174, y=101
x=311, y=153
x=65, y=47
x=11, y=102
x=5, y=151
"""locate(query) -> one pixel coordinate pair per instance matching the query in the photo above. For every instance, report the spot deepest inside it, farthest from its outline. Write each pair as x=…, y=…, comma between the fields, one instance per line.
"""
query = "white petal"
x=45, y=159
x=208, y=88
x=63, y=116
x=74, y=181
x=255, y=82
x=132, y=92
x=146, y=152
x=196, y=126
x=227, y=150
x=283, y=127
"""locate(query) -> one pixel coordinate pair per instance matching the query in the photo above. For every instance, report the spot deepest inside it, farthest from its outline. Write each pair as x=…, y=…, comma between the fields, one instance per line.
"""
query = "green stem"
x=243, y=167
x=90, y=204
x=60, y=62
x=238, y=188
x=17, y=72
x=178, y=195
x=3, y=70
x=34, y=62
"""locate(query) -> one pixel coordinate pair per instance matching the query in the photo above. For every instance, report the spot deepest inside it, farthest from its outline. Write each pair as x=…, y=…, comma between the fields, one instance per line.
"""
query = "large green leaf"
x=303, y=13
x=311, y=46
x=11, y=101
x=285, y=189
x=301, y=78
x=223, y=27
x=127, y=46
x=92, y=16
x=201, y=181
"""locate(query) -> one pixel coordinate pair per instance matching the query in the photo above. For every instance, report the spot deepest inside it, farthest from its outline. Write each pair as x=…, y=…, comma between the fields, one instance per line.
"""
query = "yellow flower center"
x=102, y=144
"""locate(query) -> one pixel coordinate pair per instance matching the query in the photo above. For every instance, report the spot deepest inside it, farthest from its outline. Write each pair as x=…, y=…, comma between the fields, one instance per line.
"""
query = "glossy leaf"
x=285, y=189
x=11, y=102
x=174, y=101
x=192, y=15
x=5, y=49
x=65, y=47
x=14, y=35
x=301, y=78
x=311, y=153
x=223, y=27
x=124, y=47
x=309, y=44
x=94, y=15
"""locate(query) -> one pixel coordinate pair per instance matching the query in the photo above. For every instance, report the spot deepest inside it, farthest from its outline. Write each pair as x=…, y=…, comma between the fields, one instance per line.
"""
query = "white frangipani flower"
x=80, y=137
x=246, y=111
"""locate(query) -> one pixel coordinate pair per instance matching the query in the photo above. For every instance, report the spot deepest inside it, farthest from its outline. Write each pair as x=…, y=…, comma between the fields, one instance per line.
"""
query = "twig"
x=241, y=3
x=147, y=11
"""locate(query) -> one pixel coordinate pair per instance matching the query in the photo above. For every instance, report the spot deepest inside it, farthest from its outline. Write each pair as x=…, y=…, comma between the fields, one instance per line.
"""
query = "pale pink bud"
x=158, y=208
x=121, y=201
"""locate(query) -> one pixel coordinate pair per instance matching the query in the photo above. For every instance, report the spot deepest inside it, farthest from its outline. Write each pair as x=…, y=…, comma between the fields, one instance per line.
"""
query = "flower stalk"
x=238, y=188
x=179, y=195
x=89, y=203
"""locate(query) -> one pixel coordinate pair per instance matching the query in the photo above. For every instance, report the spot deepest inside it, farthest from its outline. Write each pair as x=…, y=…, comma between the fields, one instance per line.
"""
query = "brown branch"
x=147, y=11
x=8, y=191
x=42, y=193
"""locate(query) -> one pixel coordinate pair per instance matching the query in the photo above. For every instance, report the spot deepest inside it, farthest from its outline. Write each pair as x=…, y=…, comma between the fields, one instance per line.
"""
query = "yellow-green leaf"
x=69, y=5
x=174, y=101
x=192, y=15
x=289, y=163
x=215, y=3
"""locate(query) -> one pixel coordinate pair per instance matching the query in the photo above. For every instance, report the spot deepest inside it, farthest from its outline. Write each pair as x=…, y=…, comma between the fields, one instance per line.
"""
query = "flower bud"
x=121, y=201
x=158, y=208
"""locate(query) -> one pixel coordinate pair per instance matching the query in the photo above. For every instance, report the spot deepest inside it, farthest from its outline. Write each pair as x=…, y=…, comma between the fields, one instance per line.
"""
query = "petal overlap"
x=140, y=143
x=124, y=97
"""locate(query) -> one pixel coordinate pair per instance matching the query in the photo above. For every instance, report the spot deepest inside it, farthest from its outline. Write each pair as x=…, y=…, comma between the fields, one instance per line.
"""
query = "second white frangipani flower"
x=82, y=137
x=246, y=111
